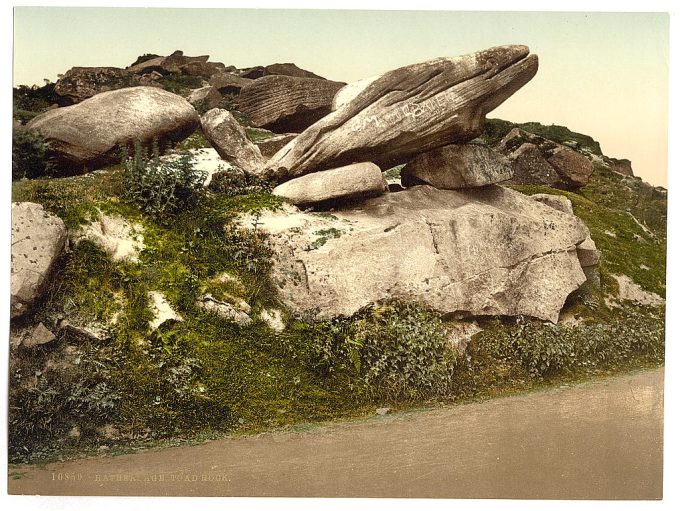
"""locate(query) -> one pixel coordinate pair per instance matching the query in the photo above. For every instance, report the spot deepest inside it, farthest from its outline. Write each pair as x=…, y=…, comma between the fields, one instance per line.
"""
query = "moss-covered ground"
x=205, y=376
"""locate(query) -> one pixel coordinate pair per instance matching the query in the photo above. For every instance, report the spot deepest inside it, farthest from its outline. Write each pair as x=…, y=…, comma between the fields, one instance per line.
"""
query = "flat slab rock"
x=483, y=251
x=38, y=239
x=360, y=180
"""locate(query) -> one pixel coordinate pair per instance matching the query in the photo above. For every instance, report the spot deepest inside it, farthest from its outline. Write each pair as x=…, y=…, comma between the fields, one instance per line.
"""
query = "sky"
x=602, y=74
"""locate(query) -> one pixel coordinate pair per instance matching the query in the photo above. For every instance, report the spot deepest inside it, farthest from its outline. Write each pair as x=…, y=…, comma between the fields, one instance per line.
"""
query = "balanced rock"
x=229, y=139
x=287, y=103
x=457, y=166
x=38, y=239
x=81, y=83
x=270, y=146
x=207, y=97
x=537, y=160
x=90, y=134
x=359, y=180
x=408, y=111
x=478, y=251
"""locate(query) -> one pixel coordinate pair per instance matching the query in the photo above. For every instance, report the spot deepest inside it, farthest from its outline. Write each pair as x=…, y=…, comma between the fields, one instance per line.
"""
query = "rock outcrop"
x=357, y=181
x=481, y=251
x=38, y=239
x=289, y=69
x=229, y=139
x=90, y=134
x=537, y=160
x=81, y=83
x=173, y=63
x=457, y=166
x=287, y=103
x=620, y=166
x=408, y=111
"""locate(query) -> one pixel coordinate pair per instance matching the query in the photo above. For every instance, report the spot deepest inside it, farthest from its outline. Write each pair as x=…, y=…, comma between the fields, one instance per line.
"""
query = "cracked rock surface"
x=484, y=251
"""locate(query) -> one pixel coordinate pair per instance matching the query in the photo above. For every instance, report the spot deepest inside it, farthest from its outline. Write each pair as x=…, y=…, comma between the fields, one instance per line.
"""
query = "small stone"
x=161, y=309
x=224, y=309
x=382, y=411
x=273, y=319
x=587, y=252
x=38, y=337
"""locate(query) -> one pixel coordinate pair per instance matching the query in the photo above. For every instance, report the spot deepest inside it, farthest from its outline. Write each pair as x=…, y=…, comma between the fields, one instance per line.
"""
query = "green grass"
x=258, y=135
x=205, y=377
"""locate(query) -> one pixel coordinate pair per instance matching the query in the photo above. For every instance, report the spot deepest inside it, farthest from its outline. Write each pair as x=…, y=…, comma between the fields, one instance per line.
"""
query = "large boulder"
x=357, y=181
x=229, y=139
x=90, y=134
x=81, y=83
x=408, y=111
x=457, y=166
x=479, y=251
x=537, y=160
x=38, y=239
x=287, y=103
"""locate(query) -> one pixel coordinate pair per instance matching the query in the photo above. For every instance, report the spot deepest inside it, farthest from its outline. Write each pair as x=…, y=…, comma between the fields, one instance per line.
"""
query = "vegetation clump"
x=161, y=187
x=30, y=155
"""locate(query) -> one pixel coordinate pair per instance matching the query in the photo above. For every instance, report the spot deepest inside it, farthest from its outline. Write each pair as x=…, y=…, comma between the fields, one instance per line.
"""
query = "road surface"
x=597, y=440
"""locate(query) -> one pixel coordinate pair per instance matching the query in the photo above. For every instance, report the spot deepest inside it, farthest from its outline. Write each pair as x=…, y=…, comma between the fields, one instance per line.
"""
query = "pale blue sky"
x=604, y=74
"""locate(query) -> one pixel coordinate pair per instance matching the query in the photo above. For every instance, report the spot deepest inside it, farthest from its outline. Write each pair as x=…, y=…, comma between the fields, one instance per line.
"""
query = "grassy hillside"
x=206, y=376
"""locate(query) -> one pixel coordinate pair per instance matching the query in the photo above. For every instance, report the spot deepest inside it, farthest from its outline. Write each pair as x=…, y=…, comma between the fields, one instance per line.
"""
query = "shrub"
x=161, y=187
x=51, y=392
x=396, y=351
x=33, y=98
x=30, y=155
x=233, y=181
x=550, y=350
